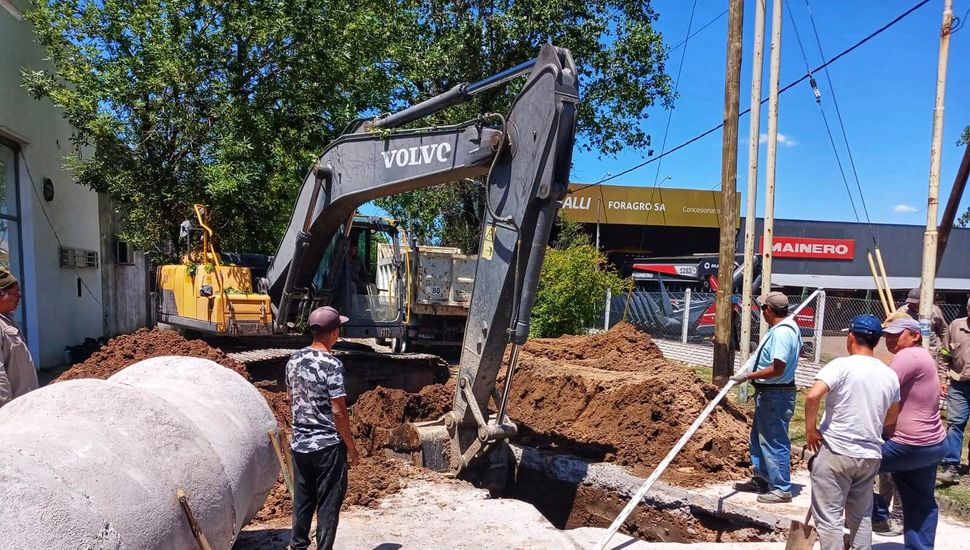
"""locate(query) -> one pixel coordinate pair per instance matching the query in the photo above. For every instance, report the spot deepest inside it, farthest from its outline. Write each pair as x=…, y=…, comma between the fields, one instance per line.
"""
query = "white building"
x=56, y=236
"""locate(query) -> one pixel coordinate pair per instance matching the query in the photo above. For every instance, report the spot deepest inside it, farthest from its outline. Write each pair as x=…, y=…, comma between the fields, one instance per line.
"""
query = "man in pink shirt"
x=916, y=443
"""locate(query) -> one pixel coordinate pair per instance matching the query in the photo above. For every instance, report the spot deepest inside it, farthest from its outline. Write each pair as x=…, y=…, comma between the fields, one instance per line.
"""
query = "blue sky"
x=885, y=91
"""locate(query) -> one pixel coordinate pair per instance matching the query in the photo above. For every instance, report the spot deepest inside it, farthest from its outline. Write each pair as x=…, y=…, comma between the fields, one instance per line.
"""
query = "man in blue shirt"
x=322, y=445
x=771, y=369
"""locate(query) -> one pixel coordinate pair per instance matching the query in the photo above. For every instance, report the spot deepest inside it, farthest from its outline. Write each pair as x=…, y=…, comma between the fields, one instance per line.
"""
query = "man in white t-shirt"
x=861, y=398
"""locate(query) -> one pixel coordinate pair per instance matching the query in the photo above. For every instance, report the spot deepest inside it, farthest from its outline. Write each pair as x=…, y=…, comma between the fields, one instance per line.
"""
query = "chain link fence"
x=689, y=318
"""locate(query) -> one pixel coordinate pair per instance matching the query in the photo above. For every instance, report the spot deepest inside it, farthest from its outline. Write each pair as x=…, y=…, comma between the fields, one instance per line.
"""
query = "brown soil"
x=614, y=397
x=127, y=349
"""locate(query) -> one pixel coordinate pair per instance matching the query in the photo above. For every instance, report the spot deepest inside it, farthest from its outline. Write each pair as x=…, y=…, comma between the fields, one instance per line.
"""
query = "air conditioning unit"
x=76, y=258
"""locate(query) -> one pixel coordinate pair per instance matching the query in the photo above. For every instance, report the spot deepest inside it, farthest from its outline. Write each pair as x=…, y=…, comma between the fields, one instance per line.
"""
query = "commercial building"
x=57, y=237
x=636, y=224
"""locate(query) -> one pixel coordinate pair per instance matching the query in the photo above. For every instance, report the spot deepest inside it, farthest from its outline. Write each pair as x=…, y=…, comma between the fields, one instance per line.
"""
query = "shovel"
x=801, y=536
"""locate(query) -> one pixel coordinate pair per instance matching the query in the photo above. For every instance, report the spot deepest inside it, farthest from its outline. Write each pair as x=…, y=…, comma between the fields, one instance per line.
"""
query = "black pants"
x=319, y=482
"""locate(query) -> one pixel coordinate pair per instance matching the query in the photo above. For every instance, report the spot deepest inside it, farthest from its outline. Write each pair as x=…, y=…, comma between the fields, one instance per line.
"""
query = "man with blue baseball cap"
x=861, y=398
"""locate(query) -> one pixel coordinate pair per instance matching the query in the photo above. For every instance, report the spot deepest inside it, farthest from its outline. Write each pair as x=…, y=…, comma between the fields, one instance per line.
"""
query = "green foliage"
x=572, y=290
x=965, y=136
x=229, y=103
x=222, y=103
x=569, y=233
x=964, y=219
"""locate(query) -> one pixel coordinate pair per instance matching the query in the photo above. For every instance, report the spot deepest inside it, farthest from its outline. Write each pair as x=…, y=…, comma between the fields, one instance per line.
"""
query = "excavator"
x=525, y=156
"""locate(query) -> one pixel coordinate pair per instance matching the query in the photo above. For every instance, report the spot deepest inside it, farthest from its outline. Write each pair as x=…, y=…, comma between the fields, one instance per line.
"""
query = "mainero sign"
x=813, y=249
x=616, y=204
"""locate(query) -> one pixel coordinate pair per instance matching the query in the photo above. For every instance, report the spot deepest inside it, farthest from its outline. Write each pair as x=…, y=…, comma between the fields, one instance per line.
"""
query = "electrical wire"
x=698, y=31
x=821, y=110
x=670, y=116
x=838, y=114
x=787, y=87
x=33, y=187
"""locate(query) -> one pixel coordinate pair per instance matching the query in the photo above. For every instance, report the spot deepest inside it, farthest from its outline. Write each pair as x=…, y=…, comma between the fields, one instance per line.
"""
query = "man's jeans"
x=957, y=411
x=842, y=497
x=319, y=484
x=914, y=470
x=769, y=443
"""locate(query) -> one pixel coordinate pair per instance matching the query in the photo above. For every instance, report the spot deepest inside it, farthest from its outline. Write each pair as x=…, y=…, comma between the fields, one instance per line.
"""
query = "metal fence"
x=689, y=317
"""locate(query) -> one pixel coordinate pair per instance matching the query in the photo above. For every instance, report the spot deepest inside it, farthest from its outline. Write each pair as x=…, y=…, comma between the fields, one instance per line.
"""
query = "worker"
x=358, y=270
x=771, y=369
x=322, y=445
x=917, y=443
x=938, y=329
x=861, y=397
x=17, y=373
x=956, y=355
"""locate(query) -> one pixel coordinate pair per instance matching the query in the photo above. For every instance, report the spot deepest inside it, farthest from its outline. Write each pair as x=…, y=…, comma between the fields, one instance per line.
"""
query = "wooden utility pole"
x=768, y=231
x=950, y=212
x=751, y=198
x=723, y=350
x=932, y=202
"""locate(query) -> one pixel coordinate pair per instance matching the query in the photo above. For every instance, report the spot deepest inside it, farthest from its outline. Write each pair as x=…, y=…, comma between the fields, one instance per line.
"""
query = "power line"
x=821, y=110
x=695, y=33
x=787, y=87
x=838, y=114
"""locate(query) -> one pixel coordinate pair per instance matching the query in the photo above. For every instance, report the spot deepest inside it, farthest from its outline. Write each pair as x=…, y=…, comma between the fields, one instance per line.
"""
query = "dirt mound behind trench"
x=613, y=397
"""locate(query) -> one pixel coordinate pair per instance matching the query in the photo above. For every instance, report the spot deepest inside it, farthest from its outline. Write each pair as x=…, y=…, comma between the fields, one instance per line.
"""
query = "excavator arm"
x=526, y=155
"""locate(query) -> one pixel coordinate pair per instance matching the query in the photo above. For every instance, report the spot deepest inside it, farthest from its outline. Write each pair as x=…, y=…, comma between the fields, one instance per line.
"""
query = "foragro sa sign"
x=813, y=249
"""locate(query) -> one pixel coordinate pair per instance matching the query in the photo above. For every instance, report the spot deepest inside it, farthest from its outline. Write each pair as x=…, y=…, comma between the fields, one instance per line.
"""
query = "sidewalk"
x=951, y=533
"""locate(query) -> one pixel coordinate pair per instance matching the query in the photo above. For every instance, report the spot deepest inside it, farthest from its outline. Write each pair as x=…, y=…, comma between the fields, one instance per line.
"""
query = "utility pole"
x=723, y=349
x=751, y=198
x=769, y=223
x=950, y=212
x=932, y=202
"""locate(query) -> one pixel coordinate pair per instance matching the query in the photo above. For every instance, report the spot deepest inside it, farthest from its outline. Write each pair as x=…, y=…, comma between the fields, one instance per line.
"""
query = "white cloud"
x=904, y=209
x=783, y=140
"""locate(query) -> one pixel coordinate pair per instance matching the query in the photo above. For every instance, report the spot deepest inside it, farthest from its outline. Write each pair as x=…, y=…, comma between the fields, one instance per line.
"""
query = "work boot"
x=775, y=497
x=949, y=475
x=887, y=528
x=753, y=485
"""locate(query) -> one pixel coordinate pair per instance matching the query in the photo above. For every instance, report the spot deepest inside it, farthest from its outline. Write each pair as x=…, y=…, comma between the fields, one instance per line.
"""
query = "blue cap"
x=866, y=325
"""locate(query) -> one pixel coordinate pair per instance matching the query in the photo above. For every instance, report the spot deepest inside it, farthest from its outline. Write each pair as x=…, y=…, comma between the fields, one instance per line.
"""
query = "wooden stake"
x=282, y=461
x=193, y=524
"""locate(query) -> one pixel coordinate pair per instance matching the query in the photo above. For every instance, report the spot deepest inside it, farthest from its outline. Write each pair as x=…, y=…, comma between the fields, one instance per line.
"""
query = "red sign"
x=815, y=249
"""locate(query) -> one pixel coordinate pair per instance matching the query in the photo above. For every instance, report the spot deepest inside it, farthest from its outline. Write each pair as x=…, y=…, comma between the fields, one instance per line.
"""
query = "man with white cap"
x=916, y=442
x=956, y=355
x=17, y=373
x=322, y=444
x=771, y=369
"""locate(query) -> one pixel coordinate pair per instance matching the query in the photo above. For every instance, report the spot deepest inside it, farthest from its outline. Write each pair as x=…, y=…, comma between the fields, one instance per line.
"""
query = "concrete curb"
x=615, y=479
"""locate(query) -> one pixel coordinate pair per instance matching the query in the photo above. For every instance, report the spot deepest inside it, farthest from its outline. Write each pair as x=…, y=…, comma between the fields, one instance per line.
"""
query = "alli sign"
x=813, y=249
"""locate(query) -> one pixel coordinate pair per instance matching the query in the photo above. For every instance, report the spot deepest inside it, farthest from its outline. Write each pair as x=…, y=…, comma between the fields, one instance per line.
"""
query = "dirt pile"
x=127, y=349
x=613, y=397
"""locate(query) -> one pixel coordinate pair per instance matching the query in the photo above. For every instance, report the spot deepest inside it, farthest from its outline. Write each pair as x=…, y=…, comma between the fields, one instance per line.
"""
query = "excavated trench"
x=595, y=414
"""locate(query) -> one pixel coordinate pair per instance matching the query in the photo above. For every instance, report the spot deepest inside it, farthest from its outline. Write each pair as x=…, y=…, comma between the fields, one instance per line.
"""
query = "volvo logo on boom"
x=416, y=156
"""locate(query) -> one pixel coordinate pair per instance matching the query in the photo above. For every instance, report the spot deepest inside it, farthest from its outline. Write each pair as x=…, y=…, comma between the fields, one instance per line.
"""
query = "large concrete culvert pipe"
x=92, y=464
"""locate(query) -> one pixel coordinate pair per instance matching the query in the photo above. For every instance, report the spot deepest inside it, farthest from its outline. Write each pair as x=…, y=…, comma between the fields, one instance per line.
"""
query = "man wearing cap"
x=322, y=445
x=917, y=441
x=17, y=373
x=771, y=369
x=938, y=329
x=861, y=397
x=956, y=356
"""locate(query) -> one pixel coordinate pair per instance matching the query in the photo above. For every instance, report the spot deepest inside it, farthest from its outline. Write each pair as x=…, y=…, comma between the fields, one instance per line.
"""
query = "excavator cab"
x=347, y=277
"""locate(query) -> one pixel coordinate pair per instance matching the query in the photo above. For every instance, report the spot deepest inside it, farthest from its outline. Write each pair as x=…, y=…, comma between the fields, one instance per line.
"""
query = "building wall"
x=126, y=285
x=56, y=315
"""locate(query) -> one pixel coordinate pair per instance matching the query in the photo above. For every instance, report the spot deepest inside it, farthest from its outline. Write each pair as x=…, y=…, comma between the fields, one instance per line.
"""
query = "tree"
x=224, y=103
x=621, y=64
x=229, y=103
x=572, y=284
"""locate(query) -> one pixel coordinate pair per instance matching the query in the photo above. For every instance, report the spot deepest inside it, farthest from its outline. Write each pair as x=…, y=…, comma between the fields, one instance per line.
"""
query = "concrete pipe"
x=95, y=464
